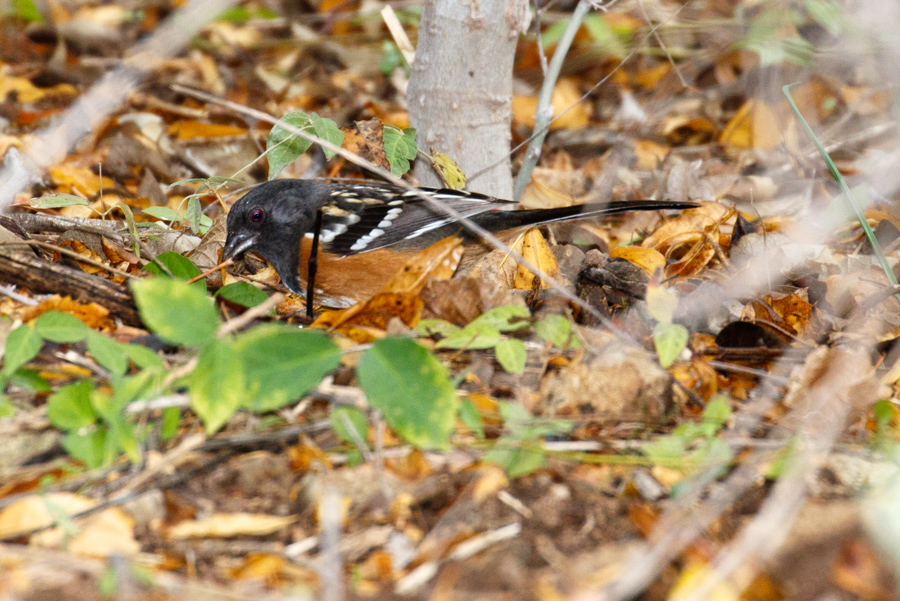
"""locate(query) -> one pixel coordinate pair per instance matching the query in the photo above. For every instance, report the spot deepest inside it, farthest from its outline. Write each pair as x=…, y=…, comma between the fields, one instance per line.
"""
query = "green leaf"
x=217, y=385
x=604, y=36
x=26, y=9
x=69, y=408
x=713, y=451
x=342, y=416
x=328, y=131
x=557, y=329
x=57, y=326
x=90, y=448
x=210, y=183
x=143, y=357
x=431, y=327
x=511, y=456
x=107, y=352
x=827, y=13
x=520, y=424
x=132, y=227
x=511, y=355
x=283, y=147
x=508, y=318
x=399, y=148
x=171, y=420
x=105, y=405
x=193, y=214
x=28, y=379
x=7, y=409
x=670, y=339
x=282, y=364
x=476, y=335
x=57, y=201
x=392, y=58
x=242, y=293
x=412, y=389
x=164, y=213
x=175, y=311
x=666, y=450
x=181, y=267
x=717, y=411
x=469, y=415
x=22, y=345
x=132, y=388
x=242, y=14
x=122, y=434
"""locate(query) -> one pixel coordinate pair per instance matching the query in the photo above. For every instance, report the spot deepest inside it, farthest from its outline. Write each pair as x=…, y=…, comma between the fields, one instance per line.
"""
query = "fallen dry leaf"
x=227, y=525
x=536, y=251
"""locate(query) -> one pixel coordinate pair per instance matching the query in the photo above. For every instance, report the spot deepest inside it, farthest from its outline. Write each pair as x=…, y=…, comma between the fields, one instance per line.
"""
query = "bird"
x=367, y=230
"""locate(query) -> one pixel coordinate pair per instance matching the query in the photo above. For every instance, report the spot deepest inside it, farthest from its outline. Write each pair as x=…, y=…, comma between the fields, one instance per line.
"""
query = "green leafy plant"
x=669, y=338
x=351, y=426
x=519, y=451
x=490, y=331
x=284, y=147
x=96, y=429
x=399, y=148
x=242, y=293
x=242, y=14
x=189, y=214
x=694, y=445
x=27, y=10
x=392, y=59
x=58, y=201
x=771, y=31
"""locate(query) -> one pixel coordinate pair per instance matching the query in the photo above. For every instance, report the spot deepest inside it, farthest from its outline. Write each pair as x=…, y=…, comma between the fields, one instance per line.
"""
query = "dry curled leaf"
x=536, y=251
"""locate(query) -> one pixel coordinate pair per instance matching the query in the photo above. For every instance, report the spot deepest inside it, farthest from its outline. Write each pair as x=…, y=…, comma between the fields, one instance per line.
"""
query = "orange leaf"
x=188, y=130
x=565, y=94
x=81, y=179
x=438, y=261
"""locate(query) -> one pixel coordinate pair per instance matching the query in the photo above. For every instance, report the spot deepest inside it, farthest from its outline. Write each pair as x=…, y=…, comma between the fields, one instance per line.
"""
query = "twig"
x=399, y=35
x=72, y=254
x=544, y=112
x=249, y=315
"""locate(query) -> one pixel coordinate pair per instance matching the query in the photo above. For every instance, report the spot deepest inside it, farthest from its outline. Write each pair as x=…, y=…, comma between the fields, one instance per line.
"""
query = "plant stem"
x=544, y=110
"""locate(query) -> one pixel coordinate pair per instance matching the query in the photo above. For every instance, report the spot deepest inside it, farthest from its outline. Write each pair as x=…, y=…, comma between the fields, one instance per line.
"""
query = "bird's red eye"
x=257, y=215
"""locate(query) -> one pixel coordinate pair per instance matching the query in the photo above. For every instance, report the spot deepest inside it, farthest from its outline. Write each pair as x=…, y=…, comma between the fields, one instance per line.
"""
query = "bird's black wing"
x=363, y=218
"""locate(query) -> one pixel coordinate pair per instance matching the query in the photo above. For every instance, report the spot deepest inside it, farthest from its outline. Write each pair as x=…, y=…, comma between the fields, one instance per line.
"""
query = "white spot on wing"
x=431, y=226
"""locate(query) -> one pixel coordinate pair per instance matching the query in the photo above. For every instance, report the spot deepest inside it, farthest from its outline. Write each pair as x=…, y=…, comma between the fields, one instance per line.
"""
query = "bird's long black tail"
x=501, y=220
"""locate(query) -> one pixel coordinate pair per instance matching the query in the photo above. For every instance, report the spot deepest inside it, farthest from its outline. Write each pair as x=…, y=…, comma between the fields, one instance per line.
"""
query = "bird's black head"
x=271, y=220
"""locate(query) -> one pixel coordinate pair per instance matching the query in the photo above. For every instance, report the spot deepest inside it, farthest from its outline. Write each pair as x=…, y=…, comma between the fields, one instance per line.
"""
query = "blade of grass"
x=876, y=247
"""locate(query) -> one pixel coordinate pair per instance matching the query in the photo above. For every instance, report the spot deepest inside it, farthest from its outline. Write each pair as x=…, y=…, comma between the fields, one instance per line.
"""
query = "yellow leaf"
x=566, y=95
x=80, y=179
x=27, y=92
x=753, y=126
x=661, y=303
x=536, y=251
x=646, y=258
x=450, y=173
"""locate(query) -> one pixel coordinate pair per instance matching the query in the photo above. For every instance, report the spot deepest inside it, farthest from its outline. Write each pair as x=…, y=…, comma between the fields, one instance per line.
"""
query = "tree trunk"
x=460, y=90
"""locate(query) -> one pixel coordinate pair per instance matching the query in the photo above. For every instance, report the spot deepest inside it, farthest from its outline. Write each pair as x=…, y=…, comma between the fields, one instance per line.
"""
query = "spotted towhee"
x=279, y=219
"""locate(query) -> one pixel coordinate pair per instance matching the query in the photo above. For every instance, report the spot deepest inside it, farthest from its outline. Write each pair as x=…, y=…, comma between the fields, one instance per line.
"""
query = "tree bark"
x=460, y=90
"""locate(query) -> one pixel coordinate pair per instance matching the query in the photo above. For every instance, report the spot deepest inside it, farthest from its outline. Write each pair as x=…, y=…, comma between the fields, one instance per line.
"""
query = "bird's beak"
x=237, y=245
